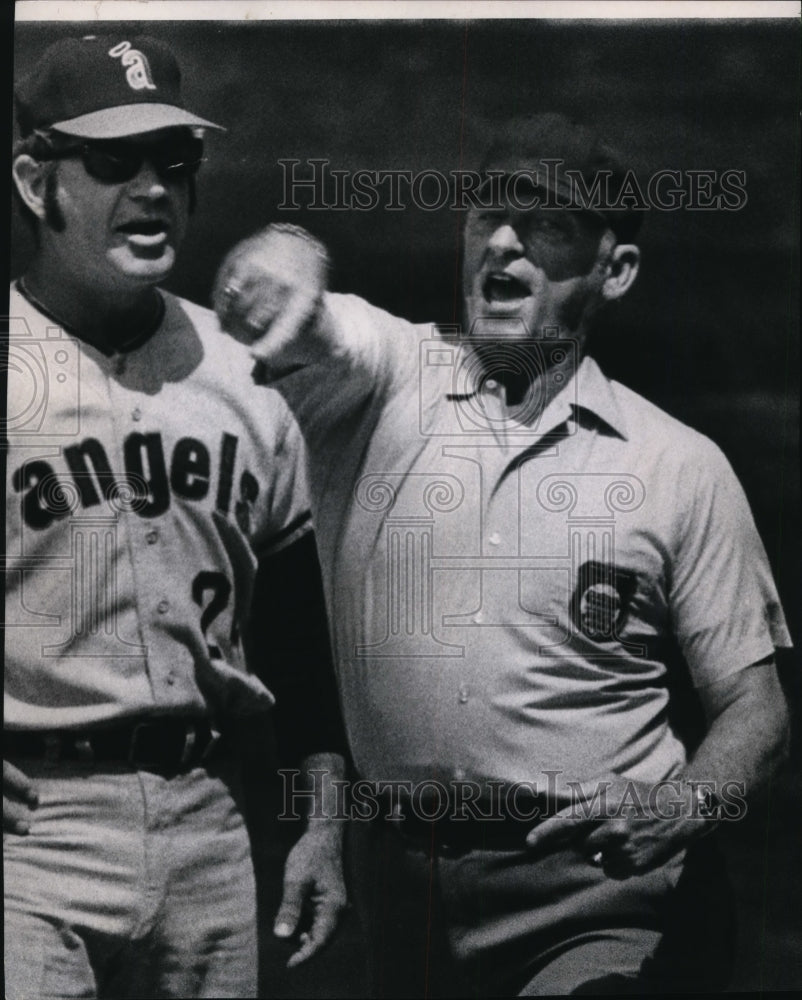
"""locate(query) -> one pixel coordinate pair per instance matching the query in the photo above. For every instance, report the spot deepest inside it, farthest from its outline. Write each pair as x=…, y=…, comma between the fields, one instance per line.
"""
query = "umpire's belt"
x=166, y=745
x=484, y=829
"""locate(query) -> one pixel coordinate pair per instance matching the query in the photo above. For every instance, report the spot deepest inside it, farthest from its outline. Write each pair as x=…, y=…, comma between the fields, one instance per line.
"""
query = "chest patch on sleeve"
x=601, y=600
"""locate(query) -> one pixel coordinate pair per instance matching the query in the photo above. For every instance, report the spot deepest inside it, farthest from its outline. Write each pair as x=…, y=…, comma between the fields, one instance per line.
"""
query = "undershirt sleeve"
x=289, y=649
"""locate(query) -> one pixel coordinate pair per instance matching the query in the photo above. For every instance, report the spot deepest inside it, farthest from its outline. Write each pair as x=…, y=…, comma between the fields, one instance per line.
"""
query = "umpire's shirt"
x=505, y=585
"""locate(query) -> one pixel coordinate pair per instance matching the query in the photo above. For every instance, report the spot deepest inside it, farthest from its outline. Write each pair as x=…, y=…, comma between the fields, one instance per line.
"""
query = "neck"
x=110, y=322
x=527, y=369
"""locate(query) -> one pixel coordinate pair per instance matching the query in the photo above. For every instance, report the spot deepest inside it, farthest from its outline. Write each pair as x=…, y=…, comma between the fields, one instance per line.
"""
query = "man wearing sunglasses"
x=140, y=491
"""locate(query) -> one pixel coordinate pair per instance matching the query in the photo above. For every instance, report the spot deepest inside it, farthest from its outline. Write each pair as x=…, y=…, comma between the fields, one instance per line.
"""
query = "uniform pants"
x=130, y=884
x=477, y=923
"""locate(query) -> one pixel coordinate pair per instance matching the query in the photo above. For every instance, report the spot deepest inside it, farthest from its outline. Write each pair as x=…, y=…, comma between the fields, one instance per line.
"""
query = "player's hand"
x=19, y=797
x=268, y=292
x=313, y=886
x=625, y=827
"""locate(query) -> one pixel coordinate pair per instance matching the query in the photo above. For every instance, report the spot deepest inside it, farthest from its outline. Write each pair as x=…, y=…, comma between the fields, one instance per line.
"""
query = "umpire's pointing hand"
x=269, y=290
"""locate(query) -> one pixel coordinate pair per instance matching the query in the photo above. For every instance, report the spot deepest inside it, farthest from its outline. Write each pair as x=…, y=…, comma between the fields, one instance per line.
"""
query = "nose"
x=505, y=239
x=148, y=183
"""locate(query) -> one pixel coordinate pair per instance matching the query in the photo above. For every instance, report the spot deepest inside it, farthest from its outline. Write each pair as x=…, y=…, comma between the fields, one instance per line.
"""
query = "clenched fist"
x=268, y=293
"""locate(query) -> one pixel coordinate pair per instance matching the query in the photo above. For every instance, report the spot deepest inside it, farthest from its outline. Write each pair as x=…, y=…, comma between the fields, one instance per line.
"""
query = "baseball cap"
x=104, y=87
x=589, y=172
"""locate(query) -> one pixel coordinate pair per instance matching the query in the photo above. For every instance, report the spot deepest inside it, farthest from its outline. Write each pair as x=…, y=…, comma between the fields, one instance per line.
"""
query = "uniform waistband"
x=165, y=745
x=455, y=824
x=451, y=835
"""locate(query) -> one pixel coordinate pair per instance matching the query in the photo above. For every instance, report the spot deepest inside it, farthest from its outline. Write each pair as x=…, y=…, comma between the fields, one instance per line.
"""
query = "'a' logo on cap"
x=138, y=73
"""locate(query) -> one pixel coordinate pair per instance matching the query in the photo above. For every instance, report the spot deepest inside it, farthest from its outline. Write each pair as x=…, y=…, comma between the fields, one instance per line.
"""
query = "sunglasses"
x=116, y=161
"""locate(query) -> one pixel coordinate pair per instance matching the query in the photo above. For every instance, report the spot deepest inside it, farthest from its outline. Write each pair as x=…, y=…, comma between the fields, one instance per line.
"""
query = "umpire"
x=526, y=562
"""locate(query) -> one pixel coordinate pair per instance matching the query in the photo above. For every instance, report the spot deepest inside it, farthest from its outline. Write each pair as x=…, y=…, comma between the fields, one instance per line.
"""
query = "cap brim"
x=565, y=195
x=131, y=119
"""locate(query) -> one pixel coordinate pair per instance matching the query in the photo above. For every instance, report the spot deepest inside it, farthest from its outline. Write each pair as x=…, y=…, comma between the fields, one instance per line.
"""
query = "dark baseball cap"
x=104, y=87
x=588, y=173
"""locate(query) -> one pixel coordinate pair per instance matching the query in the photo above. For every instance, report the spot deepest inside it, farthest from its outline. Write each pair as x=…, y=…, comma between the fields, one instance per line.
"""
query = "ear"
x=622, y=269
x=29, y=176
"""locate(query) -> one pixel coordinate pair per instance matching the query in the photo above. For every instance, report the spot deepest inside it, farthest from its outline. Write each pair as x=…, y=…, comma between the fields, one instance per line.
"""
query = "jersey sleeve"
x=725, y=610
x=287, y=516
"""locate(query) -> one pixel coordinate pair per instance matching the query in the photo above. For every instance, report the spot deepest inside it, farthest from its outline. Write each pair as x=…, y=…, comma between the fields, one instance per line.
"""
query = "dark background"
x=709, y=333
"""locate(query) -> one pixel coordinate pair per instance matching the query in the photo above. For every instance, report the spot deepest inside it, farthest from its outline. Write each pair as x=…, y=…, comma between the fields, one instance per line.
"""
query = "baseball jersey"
x=140, y=485
x=506, y=585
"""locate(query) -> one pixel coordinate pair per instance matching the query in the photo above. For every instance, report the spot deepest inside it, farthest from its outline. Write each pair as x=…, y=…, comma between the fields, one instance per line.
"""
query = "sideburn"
x=54, y=217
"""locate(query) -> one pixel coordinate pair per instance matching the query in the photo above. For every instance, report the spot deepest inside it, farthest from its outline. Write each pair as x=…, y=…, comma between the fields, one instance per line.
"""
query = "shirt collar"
x=589, y=391
x=595, y=395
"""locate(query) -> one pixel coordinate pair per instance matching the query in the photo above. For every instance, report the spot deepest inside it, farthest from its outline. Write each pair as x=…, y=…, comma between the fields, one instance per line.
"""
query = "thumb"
x=284, y=339
x=14, y=780
x=289, y=912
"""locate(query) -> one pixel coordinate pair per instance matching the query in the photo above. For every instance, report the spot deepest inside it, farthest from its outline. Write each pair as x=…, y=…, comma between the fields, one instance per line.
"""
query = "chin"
x=148, y=270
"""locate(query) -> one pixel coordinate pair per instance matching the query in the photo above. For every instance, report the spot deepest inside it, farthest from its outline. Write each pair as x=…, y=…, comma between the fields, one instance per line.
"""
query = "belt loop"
x=190, y=739
x=214, y=738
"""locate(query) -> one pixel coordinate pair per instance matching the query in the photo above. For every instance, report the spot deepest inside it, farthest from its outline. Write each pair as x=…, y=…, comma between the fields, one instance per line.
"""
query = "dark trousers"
x=464, y=922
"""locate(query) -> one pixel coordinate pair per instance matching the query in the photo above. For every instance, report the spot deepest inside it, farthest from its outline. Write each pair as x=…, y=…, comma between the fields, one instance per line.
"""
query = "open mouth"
x=148, y=227
x=145, y=232
x=502, y=287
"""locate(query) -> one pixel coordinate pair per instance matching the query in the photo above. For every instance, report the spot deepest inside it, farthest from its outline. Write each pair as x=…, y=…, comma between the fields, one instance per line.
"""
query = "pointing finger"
x=286, y=330
x=564, y=828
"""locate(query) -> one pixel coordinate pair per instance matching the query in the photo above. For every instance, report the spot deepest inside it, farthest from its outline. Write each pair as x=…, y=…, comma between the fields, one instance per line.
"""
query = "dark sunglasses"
x=115, y=161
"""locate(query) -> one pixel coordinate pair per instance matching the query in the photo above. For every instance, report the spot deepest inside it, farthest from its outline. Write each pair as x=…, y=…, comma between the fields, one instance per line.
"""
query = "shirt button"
x=491, y=384
x=152, y=537
x=463, y=693
x=477, y=619
x=163, y=606
x=136, y=414
x=495, y=538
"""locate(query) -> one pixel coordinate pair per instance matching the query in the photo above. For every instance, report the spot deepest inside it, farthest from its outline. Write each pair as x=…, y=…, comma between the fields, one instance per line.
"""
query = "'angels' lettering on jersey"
x=144, y=485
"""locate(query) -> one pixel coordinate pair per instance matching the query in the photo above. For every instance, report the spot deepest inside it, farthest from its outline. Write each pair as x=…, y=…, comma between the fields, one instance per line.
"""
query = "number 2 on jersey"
x=219, y=586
